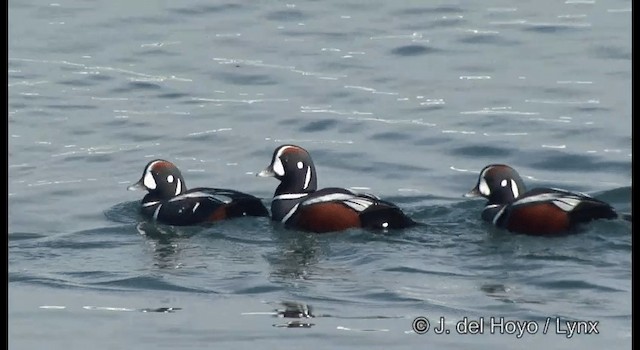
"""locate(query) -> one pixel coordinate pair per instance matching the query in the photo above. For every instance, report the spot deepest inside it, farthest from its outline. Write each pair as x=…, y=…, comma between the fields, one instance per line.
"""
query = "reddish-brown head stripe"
x=496, y=169
x=293, y=150
x=162, y=164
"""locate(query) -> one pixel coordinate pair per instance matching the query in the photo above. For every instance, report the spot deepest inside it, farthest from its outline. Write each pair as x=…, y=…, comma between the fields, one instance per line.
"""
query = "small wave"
x=413, y=50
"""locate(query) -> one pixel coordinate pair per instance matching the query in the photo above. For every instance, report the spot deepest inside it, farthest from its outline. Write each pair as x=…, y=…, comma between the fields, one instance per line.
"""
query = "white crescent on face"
x=307, y=178
x=278, y=168
x=178, y=187
x=514, y=188
x=148, y=181
x=483, y=187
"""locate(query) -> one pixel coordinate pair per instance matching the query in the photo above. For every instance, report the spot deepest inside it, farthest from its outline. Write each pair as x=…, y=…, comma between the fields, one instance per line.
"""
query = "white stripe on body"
x=155, y=214
x=290, y=213
x=203, y=195
x=565, y=202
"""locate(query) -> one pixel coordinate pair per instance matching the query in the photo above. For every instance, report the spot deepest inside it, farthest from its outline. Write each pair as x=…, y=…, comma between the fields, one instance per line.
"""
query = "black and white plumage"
x=168, y=200
x=540, y=211
x=297, y=203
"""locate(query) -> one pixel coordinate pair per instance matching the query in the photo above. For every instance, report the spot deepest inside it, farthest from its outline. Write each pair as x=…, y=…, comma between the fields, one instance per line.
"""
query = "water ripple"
x=319, y=125
x=202, y=10
x=146, y=283
x=413, y=50
x=289, y=15
x=95, y=92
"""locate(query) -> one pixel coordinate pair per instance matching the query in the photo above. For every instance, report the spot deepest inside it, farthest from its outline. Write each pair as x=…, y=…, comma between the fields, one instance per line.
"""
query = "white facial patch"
x=300, y=165
x=170, y=178
x=503, y=183
x=385, y=224
x=307, y=177
x=178, y=186
x=149, y=182
x=278, y=168
x=514, y=189
x=483, y=187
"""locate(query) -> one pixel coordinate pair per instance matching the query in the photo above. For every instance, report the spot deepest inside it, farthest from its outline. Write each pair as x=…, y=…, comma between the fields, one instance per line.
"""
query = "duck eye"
x=300, y=165
x=170, y=178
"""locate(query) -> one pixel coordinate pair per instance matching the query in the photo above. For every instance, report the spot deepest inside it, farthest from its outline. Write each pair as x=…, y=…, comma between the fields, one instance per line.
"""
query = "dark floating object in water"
x=112, y=308
x=294, y=324
x=295, y=310
x=162, y=309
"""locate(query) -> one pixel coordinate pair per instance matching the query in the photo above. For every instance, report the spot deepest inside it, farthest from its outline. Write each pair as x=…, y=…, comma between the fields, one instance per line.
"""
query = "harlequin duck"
x=298, y=204
x=540, y=211
x=169, y=201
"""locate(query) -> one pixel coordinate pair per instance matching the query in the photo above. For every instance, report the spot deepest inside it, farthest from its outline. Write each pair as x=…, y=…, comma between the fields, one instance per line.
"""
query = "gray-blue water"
x=404, y=99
